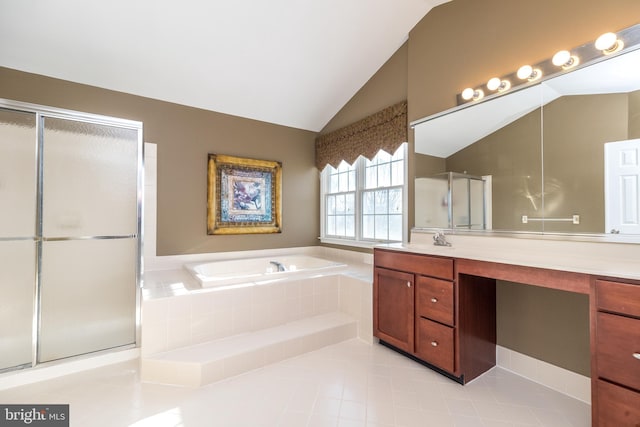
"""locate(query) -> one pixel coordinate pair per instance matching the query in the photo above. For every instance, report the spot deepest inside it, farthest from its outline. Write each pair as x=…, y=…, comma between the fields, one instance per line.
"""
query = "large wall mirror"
x=561, y=156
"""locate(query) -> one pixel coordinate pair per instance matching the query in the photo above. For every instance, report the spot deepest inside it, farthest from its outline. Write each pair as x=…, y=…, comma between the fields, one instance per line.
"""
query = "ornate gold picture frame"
x=243, y=195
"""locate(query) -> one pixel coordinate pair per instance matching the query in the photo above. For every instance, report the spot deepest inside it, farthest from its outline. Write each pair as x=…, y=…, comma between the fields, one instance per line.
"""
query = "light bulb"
x=499, y=85
x=606, y=41
x=493, y=84
x=467, y=94
x=561, y=58
x=564, y=59
x=472, y=94
x=527, y=72
x=524, y=72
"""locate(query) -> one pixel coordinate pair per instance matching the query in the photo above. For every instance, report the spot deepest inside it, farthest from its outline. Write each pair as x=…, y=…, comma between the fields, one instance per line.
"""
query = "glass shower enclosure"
x=70, y=233
x=451, y=200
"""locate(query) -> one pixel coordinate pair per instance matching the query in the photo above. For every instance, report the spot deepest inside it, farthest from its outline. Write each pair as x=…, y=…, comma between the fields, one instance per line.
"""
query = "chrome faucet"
x=439, y=239
x=280, y=266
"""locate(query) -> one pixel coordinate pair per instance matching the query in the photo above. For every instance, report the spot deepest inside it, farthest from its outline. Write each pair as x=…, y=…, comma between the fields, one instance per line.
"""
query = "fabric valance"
x=386, y=129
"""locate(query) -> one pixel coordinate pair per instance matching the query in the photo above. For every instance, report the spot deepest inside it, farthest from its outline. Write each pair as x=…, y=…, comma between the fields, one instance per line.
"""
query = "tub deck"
x=193, y=335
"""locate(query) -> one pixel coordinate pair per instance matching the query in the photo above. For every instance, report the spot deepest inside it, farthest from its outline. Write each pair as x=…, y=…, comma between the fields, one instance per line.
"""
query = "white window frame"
x=358, y=241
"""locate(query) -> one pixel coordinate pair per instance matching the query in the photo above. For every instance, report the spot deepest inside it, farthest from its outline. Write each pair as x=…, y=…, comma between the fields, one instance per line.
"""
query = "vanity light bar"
x=605, y=45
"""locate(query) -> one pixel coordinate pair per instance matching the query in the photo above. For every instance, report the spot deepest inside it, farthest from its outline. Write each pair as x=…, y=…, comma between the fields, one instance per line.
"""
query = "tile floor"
x=348, y=384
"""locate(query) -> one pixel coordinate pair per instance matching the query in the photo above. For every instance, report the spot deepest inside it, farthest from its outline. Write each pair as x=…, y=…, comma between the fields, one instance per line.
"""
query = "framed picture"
x=243, y=195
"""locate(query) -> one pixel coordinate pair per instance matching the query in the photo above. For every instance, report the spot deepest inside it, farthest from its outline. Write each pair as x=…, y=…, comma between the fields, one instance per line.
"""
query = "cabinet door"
x=393, y=308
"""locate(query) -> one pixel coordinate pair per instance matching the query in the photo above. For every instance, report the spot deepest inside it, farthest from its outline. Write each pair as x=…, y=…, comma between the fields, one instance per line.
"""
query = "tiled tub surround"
x=192, y=335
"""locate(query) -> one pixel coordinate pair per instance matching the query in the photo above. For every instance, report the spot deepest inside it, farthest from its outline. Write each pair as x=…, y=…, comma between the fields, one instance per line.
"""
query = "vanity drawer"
x=434, y=343
x=415, y=263
x=618, y=297
x=434, y=299
x=618, y=349
x=617, y=406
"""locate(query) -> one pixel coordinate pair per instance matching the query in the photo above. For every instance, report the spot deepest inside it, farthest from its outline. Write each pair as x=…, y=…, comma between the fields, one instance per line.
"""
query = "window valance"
x=386, y=129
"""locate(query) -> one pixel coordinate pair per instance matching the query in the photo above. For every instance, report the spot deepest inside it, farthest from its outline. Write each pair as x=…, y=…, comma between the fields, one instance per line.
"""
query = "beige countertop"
x=591, y=257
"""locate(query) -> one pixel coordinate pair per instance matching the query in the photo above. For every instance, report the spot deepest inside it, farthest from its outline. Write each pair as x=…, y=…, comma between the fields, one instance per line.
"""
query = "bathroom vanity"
x=559, y=157
x=438, y=306
x=421, y=309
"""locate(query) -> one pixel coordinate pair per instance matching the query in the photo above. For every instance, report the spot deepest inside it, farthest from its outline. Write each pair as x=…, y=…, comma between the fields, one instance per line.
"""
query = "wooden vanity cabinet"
x=616, y=372
x=418, y=309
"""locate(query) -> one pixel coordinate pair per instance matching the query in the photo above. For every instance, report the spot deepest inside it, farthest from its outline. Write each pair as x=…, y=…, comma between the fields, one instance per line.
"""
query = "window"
x=364, y=203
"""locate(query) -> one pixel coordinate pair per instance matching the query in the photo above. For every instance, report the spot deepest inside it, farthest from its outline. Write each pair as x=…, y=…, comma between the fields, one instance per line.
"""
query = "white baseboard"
x=559, y=379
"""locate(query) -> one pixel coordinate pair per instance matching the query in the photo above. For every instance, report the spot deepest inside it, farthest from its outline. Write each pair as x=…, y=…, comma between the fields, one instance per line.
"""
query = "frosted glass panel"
x=432, y=202
x=476, y=201
x=17, y=174
x=460, y=202
x=17, y=276
x=90, y=179
x=88, y=296
x=465, y=201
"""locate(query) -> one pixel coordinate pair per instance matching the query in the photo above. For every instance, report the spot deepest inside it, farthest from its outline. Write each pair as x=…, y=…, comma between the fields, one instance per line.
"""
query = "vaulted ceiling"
x=288, y=62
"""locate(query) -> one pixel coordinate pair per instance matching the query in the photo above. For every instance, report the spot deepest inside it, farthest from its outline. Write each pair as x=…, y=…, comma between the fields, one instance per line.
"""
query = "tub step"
x=212, y=361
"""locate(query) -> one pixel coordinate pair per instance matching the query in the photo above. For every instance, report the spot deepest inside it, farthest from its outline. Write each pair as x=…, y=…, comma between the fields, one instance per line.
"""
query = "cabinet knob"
x=636, y=355
x=408, y=284
x=434, y=343
x=434, y=300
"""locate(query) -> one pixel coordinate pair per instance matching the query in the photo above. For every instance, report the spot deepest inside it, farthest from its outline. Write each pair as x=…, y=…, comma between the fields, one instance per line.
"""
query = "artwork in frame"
x=243, y=195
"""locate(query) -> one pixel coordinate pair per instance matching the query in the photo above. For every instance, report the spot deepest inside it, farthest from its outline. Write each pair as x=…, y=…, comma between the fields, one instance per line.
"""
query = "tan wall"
x=575, y=130
x=512, y=156
x=546, y=324
x=184, y=136
x=634, y=114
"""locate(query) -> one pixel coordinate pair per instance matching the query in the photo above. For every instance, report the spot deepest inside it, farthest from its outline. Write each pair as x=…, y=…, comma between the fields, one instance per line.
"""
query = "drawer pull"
x=434, y=300
x=636, y=355
x=434, y=343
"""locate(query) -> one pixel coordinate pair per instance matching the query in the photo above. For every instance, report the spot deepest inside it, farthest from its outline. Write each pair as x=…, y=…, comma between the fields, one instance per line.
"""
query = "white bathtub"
x=235, y=271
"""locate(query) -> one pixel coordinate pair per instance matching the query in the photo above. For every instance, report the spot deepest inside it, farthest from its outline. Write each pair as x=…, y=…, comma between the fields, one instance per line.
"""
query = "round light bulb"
x=525, y=72
x=607, y=41
x=561, y=58
x=468, y=93
x=494, y=83
x=498, y=84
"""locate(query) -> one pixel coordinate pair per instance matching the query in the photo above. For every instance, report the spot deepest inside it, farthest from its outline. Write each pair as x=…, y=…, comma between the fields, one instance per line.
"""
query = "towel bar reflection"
x=575, y=219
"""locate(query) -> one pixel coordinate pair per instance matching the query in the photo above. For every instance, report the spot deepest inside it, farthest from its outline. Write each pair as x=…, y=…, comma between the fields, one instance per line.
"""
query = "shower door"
x=17, y=237
x=89, y=237
x=70, y=233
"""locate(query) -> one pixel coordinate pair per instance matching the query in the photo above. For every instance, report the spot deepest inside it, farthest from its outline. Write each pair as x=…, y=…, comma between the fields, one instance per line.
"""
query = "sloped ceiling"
x=288, y=62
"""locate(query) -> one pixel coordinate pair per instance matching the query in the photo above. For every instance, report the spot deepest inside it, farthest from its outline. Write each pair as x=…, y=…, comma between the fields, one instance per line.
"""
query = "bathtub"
x=236, y=271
